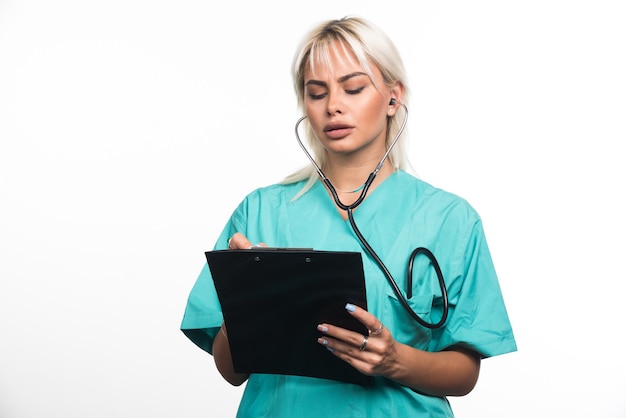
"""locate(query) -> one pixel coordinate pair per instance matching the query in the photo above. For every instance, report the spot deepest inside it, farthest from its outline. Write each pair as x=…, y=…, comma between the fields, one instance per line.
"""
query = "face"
x=345, y=109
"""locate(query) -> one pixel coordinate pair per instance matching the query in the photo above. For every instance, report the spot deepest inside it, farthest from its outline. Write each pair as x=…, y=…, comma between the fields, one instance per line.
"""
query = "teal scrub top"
x=402, y=213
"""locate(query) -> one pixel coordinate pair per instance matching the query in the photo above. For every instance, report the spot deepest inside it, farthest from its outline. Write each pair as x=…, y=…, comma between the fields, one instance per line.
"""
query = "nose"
x=333, y=105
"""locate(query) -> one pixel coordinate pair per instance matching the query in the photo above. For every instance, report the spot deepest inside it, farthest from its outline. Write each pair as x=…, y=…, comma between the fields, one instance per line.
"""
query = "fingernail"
x=322, y=328
x=350, y=307
x=332, y=350
x=322, y=341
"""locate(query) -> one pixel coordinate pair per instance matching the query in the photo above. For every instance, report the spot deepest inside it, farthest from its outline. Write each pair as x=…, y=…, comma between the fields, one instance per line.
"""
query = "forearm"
x=224, y=361
x=446, y=373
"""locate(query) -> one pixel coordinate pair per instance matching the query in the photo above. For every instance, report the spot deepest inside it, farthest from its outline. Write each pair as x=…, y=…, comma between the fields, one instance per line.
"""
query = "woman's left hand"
x=373, y=354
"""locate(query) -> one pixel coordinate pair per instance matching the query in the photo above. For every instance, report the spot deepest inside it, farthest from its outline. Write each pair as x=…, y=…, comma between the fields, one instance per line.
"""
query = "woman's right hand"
x=239, y=242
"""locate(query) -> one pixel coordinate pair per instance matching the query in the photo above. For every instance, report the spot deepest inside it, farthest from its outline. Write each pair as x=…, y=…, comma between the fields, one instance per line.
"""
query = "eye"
x=317, y=96
x=316, y=92
x=355, y=91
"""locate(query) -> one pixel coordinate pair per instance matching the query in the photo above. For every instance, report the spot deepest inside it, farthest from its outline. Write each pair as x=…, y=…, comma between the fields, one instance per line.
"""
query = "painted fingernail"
x=330, y=349
x=322, y=328
x=322, y=341
x=350, y=307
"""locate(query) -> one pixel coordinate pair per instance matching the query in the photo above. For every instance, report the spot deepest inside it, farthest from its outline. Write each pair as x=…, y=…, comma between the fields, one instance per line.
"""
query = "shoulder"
x=274, y=194
x=433, y=200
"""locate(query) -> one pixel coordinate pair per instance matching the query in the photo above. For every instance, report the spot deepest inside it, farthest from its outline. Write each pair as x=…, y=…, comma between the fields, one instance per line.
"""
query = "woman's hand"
x=239, y=242
x=373, y=355
x=452, y=372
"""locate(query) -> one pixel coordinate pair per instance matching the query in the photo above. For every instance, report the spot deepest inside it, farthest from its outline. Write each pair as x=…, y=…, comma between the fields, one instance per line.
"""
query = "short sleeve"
x=203, y=314
x=478, y=318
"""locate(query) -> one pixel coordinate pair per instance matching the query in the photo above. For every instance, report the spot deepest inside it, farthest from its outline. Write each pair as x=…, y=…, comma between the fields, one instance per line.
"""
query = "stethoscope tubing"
x=420, y=250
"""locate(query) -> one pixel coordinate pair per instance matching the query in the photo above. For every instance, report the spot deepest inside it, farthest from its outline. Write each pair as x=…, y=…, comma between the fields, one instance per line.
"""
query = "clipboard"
x=273, y=299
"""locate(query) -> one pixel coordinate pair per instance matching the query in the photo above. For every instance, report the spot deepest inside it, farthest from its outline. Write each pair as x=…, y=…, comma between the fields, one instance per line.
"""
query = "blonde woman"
x=422, y=346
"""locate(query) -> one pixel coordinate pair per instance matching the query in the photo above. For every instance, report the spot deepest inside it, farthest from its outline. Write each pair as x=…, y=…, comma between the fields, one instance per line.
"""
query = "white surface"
x=129, y=131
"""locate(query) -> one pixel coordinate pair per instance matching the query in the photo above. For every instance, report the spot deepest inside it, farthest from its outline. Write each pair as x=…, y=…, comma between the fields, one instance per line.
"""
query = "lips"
x=337, y=130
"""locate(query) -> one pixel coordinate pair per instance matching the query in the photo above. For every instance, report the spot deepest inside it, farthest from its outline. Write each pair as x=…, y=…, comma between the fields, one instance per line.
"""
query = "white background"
x=131, y=129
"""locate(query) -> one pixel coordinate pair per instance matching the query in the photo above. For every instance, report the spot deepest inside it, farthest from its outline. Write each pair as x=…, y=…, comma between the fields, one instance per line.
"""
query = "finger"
x=373, y=324
x=363, y=356
x=238, y=242
x=337, y=338
x=343, y=340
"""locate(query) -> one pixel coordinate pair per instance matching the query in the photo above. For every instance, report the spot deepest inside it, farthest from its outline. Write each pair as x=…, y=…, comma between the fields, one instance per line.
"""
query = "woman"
x=351, y=85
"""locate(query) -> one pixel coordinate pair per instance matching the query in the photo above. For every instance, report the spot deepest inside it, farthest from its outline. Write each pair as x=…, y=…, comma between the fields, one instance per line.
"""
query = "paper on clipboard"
x=273, y=300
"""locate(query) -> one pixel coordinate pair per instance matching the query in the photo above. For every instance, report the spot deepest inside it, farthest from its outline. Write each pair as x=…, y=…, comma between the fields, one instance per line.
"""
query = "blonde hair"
x=370, y=45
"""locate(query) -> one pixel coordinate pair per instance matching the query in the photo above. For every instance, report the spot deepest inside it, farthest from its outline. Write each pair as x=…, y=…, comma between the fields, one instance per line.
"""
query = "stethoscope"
x=420, y=250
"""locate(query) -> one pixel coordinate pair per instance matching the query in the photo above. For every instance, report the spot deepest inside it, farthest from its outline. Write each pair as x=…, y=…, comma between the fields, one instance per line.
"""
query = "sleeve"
x=203, y=314
x=478, y=318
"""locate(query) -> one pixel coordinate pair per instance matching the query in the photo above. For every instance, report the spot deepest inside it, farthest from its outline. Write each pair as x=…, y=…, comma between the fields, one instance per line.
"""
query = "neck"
x=350, y=178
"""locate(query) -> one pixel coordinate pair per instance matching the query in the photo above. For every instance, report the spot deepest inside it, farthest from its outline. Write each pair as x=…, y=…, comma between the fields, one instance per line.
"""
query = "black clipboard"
x=272, y=301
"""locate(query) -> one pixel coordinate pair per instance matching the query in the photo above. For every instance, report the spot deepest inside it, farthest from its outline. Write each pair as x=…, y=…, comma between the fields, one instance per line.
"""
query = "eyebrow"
x=340, y=79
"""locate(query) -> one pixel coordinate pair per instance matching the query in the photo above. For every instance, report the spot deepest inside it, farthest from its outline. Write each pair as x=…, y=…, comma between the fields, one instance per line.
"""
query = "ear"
x=397, y=94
